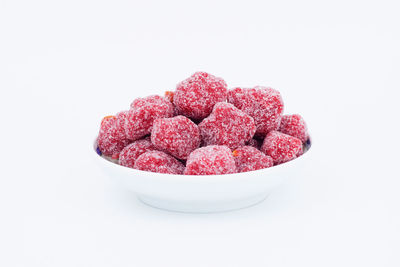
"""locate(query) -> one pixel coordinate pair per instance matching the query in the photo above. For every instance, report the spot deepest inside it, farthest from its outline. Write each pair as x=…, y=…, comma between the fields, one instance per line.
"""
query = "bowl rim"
x=203, y=178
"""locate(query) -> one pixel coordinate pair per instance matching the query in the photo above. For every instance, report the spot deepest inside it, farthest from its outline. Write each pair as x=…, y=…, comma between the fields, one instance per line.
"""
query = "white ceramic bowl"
x=201, y=194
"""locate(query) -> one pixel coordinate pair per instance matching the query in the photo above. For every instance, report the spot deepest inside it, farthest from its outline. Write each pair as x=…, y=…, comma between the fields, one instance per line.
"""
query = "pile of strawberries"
x=202, y=128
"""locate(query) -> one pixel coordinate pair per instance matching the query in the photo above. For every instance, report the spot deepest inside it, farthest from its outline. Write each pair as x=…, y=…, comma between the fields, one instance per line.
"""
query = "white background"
x=66, y=64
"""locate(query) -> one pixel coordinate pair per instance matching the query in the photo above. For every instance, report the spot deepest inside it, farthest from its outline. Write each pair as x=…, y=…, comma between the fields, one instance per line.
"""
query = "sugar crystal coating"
x=178, y=136
x=157, y=161
x=111, y=139
x=139, y=119
x=196, y=96
x=248, y=158
x=227, y=125
x=281, y=147
x=120, y=123
x=148, y=100
x=132, y=151
x=263, y=104
x=210, y=160
x=294, y=125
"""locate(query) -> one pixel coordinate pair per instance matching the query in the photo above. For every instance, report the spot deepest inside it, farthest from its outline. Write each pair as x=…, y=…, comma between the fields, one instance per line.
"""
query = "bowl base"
x=202, y=207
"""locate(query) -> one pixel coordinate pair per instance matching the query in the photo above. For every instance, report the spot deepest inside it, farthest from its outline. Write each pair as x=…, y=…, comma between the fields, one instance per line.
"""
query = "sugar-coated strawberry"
x=202, y=128
x=281, y=147
x=139, y=119
x=178, y=136
x=131, y=152
x=210, y=160
x=157, y=161
x=111, y=139
x=196, y=96
x=294, y=125
x=227, y=125
x=248, y=158
x=264, y=104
